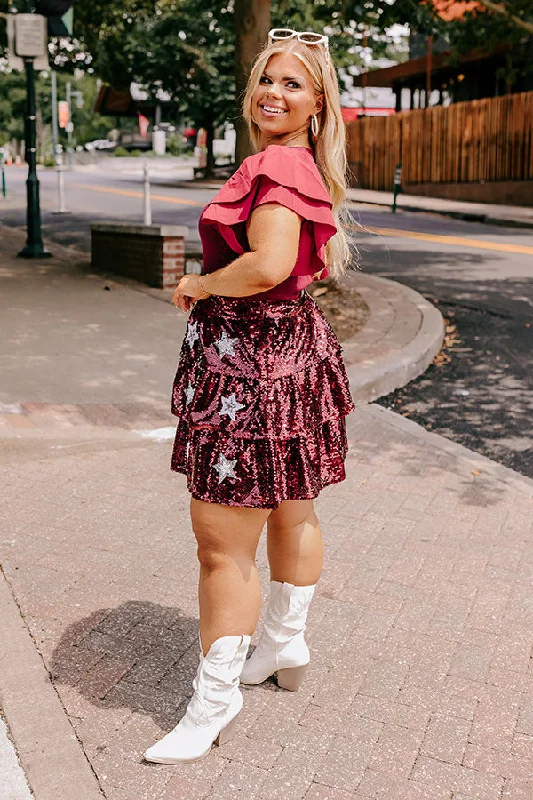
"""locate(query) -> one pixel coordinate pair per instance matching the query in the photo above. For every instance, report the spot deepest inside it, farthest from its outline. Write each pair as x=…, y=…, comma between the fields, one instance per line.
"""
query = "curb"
x=398, y=342
x=51, y=756
x=470, y=458
x=14, y=783
x=465, y=216
x=402, y=322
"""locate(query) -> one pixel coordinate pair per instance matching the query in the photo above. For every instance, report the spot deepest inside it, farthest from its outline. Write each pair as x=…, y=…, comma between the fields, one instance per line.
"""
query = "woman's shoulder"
x=291, y=167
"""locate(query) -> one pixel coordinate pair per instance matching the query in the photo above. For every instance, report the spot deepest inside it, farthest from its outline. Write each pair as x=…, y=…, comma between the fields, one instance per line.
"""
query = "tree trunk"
x=252, y=23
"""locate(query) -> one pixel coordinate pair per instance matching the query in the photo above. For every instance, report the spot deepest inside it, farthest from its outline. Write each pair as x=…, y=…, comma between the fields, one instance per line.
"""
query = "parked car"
x=100, y=144
x=134, y=141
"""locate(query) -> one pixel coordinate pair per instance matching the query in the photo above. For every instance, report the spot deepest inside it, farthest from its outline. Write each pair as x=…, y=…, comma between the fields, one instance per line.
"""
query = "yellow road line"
x=458, y=241
x=163, y=198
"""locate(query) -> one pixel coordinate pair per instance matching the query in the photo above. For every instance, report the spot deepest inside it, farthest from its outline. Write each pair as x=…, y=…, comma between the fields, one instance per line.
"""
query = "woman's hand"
x=188, y=291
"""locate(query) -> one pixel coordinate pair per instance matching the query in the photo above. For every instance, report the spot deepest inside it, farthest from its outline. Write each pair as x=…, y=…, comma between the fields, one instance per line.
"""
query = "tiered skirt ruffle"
x=261, y=394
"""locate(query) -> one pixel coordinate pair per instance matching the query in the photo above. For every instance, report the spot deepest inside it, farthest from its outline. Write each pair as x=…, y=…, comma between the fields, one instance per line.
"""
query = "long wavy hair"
x=330, y=144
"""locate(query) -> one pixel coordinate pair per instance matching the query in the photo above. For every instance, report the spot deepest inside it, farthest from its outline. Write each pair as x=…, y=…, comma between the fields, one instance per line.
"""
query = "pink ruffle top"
x=279, y=174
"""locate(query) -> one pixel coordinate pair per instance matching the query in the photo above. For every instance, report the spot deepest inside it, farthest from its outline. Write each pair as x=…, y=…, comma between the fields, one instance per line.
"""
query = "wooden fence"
x=481, y=140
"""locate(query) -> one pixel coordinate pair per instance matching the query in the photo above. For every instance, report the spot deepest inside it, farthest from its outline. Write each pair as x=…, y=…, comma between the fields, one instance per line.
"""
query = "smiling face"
x=284, y=101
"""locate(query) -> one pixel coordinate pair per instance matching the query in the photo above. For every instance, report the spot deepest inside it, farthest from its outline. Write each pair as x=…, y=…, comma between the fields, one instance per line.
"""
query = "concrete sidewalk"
x=420, y=633
x=421, y=630
x=489, y=213
x=100, y=350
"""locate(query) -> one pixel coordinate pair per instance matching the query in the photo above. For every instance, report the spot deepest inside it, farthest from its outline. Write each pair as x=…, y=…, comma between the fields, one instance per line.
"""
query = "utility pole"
x=69, y=129
x=364, y=78
x=34, y=247
x=429, y=67
x=70, y=125
x=55, y=128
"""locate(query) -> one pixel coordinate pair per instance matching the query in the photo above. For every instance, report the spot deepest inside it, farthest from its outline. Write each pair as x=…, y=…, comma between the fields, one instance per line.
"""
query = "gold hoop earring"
x=314, y=125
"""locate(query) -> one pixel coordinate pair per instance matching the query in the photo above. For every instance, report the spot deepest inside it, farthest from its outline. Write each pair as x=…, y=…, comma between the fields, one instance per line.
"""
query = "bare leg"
x=229, y=590
x=294, y=543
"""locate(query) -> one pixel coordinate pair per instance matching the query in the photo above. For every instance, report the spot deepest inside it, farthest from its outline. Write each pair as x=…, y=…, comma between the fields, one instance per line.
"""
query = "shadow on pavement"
x=140, y=656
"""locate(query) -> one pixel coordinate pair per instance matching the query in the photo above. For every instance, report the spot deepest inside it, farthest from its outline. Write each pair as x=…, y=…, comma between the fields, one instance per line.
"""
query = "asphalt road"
x=481, y=278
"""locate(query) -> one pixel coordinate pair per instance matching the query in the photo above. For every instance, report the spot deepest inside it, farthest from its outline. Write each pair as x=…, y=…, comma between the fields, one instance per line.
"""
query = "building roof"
x=409, y=71
x=128, y=102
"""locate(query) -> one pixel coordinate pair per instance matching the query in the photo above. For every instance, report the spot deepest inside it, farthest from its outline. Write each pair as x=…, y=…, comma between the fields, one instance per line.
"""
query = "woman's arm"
x=274, y=235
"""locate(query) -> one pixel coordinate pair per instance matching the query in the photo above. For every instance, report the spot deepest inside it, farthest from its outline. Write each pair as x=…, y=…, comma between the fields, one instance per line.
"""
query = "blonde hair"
x=329, y=145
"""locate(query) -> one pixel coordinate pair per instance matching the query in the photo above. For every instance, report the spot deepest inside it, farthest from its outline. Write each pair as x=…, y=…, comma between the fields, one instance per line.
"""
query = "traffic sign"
x=30, y=35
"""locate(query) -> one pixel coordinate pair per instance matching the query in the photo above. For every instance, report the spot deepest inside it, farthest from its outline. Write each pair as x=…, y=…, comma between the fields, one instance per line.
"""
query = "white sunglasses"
x=307, y=37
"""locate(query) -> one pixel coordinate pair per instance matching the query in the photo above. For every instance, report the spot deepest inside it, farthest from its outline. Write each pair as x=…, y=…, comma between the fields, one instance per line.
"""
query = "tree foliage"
x=186, y=47
x=486, y=30
x=13, y=98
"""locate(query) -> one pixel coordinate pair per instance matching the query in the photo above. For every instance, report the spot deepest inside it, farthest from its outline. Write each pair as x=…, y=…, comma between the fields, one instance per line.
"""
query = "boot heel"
x=292, y=678
x=227, y=732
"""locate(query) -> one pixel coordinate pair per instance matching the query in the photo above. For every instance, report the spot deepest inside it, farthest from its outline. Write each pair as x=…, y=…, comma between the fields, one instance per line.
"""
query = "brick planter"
x=152, y=254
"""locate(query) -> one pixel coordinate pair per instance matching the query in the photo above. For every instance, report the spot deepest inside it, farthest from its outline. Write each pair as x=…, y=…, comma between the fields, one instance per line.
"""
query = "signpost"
x=397, y=185
x=55, y=126
x=2, y=162
x=27, y=48
x=30, y=44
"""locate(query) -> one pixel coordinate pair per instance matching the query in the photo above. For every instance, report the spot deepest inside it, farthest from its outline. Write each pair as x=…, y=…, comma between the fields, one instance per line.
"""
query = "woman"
x=261, y=392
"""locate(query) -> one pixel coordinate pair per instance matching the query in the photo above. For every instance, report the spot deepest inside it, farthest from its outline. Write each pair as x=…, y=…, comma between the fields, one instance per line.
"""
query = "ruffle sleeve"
x=283, y=175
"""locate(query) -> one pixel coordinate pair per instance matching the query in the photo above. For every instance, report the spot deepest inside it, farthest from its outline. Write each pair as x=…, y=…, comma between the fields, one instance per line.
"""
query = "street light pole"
x=71, y=93
x=69, y=128
x=34, y=247
x=55, y=128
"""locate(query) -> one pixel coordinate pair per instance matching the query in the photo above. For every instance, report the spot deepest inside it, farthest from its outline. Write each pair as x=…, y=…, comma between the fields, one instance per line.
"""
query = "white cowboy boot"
x=282, y=646
x=213, y=709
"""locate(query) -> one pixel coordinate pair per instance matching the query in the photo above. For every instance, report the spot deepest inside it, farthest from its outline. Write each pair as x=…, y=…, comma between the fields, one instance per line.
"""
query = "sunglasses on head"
x=306, y=37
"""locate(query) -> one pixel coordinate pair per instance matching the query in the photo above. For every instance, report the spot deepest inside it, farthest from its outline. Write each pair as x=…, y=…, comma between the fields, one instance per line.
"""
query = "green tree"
x=252, y=23
x=519, y=14
x=488, y=30
x=88, y=126
x=487, y=27
x=201, y=55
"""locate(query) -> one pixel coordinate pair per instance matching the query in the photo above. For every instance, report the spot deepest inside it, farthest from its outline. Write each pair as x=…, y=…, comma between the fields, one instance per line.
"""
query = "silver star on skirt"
x=189, y=394
x=225, y=345
x=225, y=468
x=192, y=334
x=230, y=406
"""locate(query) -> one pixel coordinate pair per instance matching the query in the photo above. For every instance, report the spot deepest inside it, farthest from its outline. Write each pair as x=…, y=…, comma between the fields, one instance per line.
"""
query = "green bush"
x=49, y=161
x=120, y=152
x=135, y=153
x=176, y=145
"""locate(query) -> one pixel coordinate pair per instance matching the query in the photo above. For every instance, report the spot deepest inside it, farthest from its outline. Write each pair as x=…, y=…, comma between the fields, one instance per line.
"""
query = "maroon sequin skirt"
x=261, y=394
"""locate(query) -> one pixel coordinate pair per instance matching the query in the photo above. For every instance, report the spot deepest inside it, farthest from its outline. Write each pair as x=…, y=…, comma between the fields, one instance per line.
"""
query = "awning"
x=128, y=102
x=416, y=68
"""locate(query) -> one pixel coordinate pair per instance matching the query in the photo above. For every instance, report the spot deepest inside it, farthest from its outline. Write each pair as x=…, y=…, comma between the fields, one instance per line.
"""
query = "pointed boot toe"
x=212, y=712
